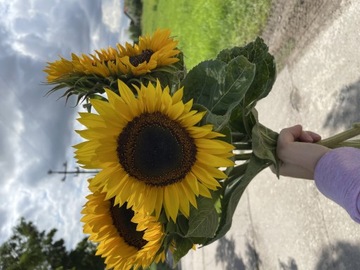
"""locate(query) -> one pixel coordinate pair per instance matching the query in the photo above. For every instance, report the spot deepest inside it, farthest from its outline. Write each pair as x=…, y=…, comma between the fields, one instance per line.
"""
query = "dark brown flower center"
x=156, y=149
x=121, y=217
x=136, y=60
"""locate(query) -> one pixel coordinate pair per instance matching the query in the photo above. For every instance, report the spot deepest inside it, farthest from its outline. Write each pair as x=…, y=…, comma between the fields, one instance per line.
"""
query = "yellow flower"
x=59, y=68
x=125, y=238
x=100, y=64
x=151, y=153
x=138, y=59
x=151, y=52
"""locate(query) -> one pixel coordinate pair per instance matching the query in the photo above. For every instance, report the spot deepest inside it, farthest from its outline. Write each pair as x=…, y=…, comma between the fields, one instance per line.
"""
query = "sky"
x=37, y=131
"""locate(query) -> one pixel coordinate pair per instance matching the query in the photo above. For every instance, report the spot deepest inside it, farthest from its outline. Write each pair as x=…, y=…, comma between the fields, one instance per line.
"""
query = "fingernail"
x=308, y=137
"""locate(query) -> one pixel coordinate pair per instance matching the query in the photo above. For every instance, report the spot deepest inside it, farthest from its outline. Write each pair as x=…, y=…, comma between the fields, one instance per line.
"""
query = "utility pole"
x=65, y=172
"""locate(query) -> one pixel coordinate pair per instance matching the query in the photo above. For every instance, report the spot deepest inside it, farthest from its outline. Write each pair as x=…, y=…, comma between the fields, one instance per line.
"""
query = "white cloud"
x=10, y=132
x=36, y=133
x=112, y=14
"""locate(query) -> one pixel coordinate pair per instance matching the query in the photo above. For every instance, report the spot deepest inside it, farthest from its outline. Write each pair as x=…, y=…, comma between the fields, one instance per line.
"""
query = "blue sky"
x=37, y=132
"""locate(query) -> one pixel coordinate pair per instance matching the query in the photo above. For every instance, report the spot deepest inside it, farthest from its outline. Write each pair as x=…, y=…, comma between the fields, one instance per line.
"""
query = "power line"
x=65, y=172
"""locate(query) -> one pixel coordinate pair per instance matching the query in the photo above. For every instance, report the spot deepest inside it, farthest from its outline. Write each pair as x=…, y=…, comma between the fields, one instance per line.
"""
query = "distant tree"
x=83, y=256
x=30, y=249
x=134, y=32
x=133, y=10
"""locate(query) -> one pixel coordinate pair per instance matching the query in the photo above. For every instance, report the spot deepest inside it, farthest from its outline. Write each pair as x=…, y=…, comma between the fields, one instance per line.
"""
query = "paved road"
x=287, y=223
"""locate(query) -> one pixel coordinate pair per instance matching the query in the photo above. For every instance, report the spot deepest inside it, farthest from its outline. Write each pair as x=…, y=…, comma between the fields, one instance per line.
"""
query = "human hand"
x=298, y=152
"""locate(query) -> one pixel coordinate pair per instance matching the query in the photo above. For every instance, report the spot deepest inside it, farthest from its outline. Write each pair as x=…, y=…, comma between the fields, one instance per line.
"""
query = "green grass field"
x=204, y=27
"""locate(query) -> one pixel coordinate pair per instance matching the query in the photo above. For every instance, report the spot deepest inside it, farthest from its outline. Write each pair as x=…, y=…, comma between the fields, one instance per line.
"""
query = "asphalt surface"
x=288, y=223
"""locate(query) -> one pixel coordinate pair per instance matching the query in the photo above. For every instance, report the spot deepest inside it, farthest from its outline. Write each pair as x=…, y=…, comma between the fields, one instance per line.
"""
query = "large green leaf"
x=219, y=86
x=203, y=221
x=233, y=194
x=257, y=53
x=203, y=81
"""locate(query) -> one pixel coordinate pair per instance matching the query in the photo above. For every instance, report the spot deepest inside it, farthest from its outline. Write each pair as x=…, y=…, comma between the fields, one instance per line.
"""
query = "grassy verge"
x=204, y=27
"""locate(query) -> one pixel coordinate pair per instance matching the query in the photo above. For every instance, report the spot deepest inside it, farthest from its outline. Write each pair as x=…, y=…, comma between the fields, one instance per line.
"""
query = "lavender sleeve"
x=337, y=176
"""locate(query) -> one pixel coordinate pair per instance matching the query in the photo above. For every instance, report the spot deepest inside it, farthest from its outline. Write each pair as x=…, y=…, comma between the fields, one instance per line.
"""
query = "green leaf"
x=198, y=240
x=257, y=53
x=170, y=227
x=203, y=81
x=235, y=173
x=203, y=221
x=233, y=194
x=182, y=224
x=183, y=245
x=219, y=86
x=264, y=142
x=239, y=75
x=243, y=121
x=219, y=121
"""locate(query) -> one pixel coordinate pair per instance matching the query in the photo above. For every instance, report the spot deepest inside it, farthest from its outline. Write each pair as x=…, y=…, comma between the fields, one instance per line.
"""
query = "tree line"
x=133, y=10
x=31, y=249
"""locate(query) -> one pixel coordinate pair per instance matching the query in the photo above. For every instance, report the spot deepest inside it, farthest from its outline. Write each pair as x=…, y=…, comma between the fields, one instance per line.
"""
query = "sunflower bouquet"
x=175, y=149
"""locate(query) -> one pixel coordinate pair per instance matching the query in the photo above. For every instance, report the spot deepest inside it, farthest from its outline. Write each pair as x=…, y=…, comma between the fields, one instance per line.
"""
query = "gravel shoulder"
x=293, y=24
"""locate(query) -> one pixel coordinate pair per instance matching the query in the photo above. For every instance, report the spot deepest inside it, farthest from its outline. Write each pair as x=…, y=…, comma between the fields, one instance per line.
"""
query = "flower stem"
x=237, y=136
x=242, y=145
x=243, y=156
x=339, y=140
x=350, y=143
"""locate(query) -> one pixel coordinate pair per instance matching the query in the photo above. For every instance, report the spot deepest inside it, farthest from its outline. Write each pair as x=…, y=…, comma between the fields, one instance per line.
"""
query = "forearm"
x=301, y=158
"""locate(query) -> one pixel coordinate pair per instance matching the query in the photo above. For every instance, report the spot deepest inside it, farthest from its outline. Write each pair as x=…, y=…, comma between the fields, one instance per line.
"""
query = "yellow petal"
x=205, y=177
x=192, y=182
x=176, y=110
x=189, y=194
x=171, y=202
x=101, y=178
x=159, y=202
x=178, y=95
x=212, y=160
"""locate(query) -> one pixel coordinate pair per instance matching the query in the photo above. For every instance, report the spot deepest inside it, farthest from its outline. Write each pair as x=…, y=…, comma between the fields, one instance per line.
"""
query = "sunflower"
x=151, y=153
x=59, y=69
x=125, y=238
x=138, y=59
x=100, y=64
x=151, y=52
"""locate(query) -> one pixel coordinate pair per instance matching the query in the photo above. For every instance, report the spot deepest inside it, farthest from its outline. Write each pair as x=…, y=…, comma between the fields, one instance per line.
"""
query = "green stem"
x=338, y=139
x=236, y=172
x=237, y=136
x=350, y=143
x=243, y=156
x=242, y=145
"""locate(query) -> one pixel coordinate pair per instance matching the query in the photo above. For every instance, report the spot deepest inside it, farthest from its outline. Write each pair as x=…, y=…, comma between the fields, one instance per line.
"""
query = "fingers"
x=305, y=137
x=296, y=133
x=290, y=134
x=316, y=137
